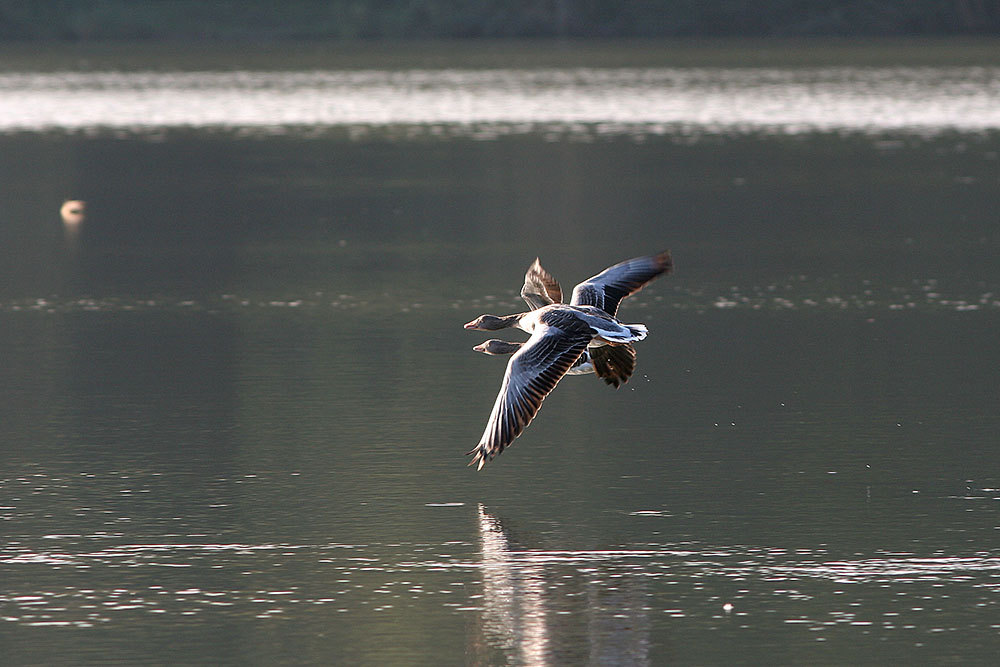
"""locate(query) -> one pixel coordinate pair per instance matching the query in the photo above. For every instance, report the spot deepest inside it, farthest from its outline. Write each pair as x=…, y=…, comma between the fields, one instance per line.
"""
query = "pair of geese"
x=577, y=338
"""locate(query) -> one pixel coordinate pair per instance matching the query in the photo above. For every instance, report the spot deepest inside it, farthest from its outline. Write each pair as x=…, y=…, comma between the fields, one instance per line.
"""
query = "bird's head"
x=487, y=323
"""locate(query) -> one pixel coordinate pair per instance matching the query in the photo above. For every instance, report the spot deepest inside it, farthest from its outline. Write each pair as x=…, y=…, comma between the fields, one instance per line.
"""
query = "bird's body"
x=606, y=329
x=560, y=335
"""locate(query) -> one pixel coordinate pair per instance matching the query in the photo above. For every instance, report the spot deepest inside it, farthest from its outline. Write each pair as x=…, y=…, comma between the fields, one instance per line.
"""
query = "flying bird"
x=612, y=363
x=560, y=335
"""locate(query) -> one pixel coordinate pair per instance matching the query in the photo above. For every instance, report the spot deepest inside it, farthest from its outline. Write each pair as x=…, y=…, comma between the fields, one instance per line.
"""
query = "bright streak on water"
x=660, y=100
x=366, y=572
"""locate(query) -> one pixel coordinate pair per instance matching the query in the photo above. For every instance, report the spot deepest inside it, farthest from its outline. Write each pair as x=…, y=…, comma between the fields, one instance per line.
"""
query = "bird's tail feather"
x=638, y=330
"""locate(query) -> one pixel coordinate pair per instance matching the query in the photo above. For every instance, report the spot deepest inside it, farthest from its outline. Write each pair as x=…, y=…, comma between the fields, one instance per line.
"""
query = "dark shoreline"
x=186, y=55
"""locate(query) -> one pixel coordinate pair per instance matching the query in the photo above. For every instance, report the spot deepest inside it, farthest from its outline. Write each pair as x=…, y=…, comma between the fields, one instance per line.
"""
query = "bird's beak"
x=471, y=325
x=479, y=348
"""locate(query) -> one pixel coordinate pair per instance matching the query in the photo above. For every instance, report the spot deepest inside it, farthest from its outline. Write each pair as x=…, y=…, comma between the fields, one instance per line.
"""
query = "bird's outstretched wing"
x=613, y=363
x=607, y=289
x=540, y=288
x=532, y=372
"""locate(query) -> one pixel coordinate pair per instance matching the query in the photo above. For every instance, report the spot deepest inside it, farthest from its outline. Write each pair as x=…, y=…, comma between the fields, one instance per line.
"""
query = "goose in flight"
x=560, y=334
x=612, y=363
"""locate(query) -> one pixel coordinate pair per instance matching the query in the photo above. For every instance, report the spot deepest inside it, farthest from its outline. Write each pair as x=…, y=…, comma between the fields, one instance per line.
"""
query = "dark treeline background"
x=419, y=19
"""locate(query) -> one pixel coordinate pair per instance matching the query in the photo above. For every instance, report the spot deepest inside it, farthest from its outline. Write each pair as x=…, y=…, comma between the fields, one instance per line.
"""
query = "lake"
x=238, y=396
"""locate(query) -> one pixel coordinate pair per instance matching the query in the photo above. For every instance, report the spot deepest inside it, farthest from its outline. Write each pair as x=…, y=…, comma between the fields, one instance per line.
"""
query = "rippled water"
x=519, y=602
x=483, y=103
x=238, y=395
x=796, y=293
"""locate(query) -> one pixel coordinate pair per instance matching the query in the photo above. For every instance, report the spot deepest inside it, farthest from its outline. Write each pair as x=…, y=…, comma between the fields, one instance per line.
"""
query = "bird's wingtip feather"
x=479, y=460
x=666, y=261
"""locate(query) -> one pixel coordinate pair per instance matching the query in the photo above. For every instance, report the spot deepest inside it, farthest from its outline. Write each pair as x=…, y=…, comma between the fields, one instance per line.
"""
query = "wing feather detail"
x=532, y=373
x=607, y=289
x=540, y=288
x=613, y=363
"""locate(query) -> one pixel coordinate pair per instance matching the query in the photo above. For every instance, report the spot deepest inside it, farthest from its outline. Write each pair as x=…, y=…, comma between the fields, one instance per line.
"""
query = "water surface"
x=237, y=399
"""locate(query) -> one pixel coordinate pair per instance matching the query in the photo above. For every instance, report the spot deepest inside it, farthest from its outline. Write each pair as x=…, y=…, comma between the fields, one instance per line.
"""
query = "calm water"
x=237, y=399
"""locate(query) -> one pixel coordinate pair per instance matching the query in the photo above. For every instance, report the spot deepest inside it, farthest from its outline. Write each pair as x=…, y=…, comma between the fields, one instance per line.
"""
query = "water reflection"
x=514, y=600
x=516, y=613
x=488, y=102
x=513, y=597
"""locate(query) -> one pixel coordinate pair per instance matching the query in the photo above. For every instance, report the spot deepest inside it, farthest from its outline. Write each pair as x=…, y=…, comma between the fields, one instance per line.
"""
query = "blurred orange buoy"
x=72, y=211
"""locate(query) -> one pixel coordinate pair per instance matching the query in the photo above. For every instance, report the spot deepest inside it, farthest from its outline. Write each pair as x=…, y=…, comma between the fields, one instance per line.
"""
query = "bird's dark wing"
x=540, y=288
x=531, y=374
x=607, y=289
x=613, y=363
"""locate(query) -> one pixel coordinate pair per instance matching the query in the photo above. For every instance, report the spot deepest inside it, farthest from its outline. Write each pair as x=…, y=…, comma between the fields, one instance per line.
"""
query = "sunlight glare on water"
x=628, y=100
x=523, y=600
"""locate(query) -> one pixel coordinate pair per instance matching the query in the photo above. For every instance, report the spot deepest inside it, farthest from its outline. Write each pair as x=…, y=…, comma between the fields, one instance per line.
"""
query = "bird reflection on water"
x=514, y=608
x=525, y=614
